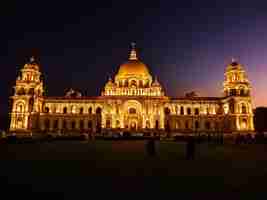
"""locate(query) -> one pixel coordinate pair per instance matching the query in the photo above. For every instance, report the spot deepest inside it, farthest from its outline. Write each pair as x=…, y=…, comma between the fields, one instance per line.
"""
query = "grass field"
x=77, y=167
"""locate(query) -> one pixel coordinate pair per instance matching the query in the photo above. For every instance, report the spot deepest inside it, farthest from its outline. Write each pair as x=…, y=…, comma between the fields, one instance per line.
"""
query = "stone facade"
x=132, y=102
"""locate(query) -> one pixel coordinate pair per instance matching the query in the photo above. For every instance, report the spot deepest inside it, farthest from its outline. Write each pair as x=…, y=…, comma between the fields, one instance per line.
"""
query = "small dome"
x=73, y=93
x=234, y=65
x=109, y=83
x=156, y=83
x=32, y=64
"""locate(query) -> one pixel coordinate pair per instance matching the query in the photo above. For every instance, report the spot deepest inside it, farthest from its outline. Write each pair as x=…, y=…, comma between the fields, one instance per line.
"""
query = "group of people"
x=244, y=139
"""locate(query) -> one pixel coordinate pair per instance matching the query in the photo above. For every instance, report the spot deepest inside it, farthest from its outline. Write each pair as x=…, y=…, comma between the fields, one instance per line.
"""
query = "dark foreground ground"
x=79, y=168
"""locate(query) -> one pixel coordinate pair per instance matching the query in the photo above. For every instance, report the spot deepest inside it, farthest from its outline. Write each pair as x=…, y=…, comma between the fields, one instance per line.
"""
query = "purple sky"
x=187, y=44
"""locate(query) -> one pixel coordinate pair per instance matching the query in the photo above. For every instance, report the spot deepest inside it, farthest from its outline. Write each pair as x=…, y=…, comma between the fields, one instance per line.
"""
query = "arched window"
x=81, y=110
x=31, y=91
x=98, y=110
x=65, y=110
x=21, y=91
x=182, y=110
x=90, y=110
x=81, y=124
x=132, y=111
x=207, y=125
x=188, y=111
x=232, y=92
x=243, y=109
x=90, y=124
x=157, y=125
x=55, y=126
x=46, y=110
x=133, y=83
x=108, y=123
x=19, y=108
x=73, y=125
x=167, y=111
x=196, y=111
x=242, y=92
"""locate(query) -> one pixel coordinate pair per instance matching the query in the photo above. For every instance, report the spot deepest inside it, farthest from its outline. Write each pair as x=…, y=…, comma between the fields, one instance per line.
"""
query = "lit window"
x=188, y=111
x=65, y=110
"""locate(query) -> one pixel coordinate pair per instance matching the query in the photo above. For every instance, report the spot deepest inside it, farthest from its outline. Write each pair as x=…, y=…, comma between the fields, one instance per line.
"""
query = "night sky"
x=187, y=44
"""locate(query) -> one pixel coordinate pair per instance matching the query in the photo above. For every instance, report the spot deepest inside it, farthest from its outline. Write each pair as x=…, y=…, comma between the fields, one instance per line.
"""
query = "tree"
x=260, y=116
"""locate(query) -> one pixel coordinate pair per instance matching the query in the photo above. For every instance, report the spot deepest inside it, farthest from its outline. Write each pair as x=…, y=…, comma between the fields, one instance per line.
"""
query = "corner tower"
x=236, y=82
x=237, y=92
x=27, y=99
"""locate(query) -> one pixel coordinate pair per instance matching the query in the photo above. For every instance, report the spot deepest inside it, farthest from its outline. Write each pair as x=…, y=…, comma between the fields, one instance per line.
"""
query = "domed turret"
x=32, y=64
x=109, y=84
x=236, y=81
x=156, y=83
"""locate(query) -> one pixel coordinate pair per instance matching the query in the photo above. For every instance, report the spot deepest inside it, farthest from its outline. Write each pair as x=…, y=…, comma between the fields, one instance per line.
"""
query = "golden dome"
x=133, y=67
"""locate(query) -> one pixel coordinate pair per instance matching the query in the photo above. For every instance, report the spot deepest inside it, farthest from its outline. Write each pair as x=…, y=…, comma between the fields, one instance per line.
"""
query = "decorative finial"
x=133, y=52
x=133, y=45
x=32, y=59
x=233, y=60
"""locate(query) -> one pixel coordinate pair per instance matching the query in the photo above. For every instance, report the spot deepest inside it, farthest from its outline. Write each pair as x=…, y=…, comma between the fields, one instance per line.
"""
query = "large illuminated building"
x=134, y=102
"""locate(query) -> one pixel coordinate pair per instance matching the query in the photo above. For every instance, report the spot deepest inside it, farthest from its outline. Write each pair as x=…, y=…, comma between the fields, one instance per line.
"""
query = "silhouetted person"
x=190, y=148
x=221, y=139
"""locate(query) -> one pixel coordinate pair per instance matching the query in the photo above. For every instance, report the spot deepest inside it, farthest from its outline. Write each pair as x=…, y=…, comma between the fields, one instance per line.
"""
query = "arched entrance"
x=132, y=115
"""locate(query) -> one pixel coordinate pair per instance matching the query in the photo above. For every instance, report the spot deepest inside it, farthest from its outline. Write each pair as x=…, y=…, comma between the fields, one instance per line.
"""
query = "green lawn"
x=124, y=165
